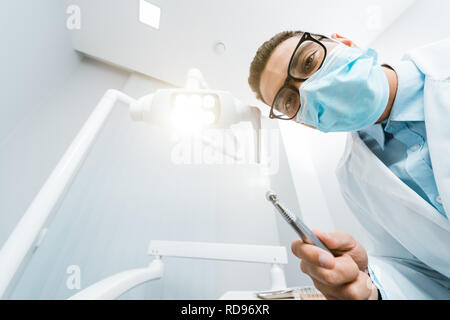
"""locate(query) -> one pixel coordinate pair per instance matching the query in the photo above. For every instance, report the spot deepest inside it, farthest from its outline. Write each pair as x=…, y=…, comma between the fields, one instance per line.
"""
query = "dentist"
x=395, y=170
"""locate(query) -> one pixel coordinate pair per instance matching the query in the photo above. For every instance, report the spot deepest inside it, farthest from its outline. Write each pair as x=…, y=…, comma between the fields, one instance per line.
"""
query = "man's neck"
x=392, y=78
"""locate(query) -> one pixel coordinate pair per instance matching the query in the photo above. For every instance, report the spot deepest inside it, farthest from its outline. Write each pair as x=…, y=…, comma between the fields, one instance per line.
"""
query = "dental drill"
x=296, y=223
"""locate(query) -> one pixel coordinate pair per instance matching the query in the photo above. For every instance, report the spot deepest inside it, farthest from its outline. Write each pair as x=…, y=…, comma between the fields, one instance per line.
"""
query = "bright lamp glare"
x=189, y=115
x=195, y=101
x=208, y=117
x=209, y=102
x=181, y=101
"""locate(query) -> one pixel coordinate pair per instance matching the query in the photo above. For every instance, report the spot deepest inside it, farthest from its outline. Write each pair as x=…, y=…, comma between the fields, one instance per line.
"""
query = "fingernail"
x=325, y=260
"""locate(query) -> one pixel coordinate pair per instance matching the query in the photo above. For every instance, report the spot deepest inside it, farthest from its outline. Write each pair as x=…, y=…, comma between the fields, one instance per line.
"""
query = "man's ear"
x=343, y=40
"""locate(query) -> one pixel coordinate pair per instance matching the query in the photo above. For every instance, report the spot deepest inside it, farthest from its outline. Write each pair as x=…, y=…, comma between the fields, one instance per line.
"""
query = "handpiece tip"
x=271, y=196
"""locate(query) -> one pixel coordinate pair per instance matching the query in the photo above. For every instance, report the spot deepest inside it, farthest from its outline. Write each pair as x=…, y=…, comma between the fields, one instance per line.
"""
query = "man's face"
x=274, y=74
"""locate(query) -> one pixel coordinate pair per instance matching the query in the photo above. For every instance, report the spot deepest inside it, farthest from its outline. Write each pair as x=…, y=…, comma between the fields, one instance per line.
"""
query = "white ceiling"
x=111, y=31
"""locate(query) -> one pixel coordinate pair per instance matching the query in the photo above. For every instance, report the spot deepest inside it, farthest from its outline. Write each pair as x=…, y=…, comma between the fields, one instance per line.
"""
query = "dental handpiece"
x=302, y=230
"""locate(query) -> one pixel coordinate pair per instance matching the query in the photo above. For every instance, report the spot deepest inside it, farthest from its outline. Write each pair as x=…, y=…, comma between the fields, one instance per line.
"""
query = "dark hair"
x=263, y=54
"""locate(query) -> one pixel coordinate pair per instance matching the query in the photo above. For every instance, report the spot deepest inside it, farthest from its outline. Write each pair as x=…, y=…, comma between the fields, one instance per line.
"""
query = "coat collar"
x=364, y=164
x=408, y=104
x=402, y=213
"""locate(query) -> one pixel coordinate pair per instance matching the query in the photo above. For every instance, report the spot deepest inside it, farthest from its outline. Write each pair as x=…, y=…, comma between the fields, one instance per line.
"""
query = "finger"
x=344, y=271
x=325, y=290
x=312, y=254
x=356, y=290
x=340, y=241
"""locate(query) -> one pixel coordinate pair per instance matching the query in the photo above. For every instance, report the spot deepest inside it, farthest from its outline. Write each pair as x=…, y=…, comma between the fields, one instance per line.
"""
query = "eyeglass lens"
x=306, y=60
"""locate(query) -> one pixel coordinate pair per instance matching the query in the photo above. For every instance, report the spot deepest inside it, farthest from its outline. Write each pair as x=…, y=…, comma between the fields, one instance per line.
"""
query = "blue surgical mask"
x=348, y=93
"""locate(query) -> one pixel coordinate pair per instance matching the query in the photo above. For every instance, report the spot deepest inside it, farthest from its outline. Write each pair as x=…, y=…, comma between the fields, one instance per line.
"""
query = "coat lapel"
x=405, y=216
x=437, y=121
x=372, y=171
x=433, y=61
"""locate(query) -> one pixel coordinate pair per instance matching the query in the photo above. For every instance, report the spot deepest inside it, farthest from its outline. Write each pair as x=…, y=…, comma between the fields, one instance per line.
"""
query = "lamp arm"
x=255, y=119
x=195, y=80
x=116, y=285
x=18, y=247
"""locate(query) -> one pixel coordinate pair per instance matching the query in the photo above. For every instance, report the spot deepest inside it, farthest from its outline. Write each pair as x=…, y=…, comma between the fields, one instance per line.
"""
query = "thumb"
x=337, y=241
x=341, y=243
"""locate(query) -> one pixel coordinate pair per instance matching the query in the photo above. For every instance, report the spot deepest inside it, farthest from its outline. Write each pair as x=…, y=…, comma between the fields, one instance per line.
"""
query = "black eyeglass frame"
x=306, y=37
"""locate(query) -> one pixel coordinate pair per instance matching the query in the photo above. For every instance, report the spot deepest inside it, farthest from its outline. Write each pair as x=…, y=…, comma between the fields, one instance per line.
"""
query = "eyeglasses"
x=308, y=57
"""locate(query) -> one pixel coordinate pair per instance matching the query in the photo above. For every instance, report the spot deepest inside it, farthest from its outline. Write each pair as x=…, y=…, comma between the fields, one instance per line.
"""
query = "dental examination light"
x=195, y=107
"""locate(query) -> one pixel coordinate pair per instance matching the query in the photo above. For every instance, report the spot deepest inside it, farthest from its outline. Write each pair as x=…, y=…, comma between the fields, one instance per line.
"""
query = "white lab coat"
x=400, y=223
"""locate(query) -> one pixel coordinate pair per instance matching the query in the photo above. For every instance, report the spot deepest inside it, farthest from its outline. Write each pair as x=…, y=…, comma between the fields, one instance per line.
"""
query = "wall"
x=37, y=64
x=39, y=140
x=426, y=21
x=36, y=58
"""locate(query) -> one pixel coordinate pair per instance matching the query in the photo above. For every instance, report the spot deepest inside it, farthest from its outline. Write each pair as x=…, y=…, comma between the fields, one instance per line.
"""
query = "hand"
x=342, y=276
